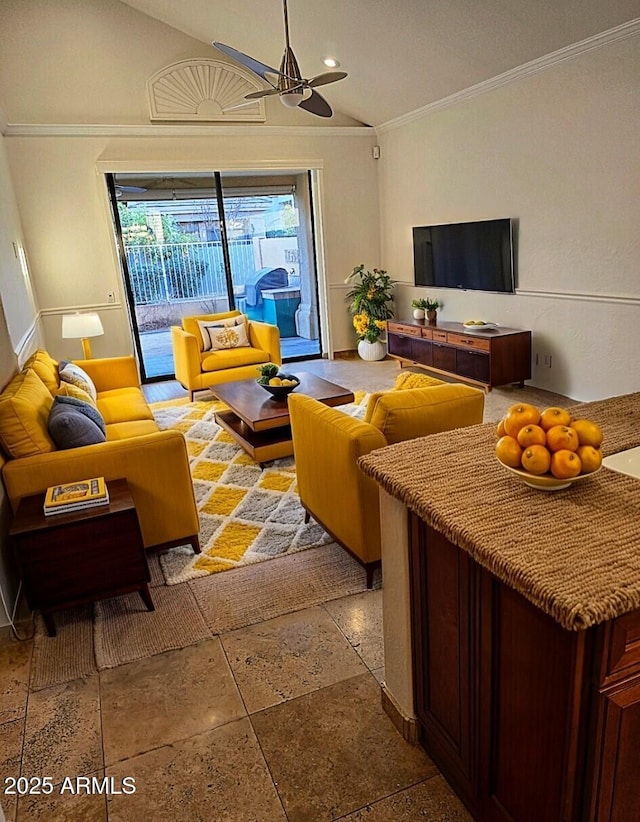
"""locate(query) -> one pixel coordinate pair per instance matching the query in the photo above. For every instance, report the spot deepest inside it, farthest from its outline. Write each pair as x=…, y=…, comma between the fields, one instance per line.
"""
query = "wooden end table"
x=86, y=555
x=260, y=423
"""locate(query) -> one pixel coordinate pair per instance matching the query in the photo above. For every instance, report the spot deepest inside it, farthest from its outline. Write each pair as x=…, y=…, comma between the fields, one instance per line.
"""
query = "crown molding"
x=188, y=130
x=605, y=38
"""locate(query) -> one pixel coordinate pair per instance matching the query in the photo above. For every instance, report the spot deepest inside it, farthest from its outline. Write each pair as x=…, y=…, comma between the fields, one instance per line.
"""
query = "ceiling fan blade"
x=326, y=78
x=239, y=105
x=253, y=65
x=256, y=95
x=316, y=104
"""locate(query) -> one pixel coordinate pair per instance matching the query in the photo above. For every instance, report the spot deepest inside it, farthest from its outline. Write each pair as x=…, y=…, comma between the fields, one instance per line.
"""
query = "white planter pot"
x=418, y=313
x=372, y=351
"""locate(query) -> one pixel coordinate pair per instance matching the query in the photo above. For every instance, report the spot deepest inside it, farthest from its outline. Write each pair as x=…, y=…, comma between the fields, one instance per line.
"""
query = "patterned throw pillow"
x=409, y=379
x=66, y=389
x=220, y=334
x=73, y=374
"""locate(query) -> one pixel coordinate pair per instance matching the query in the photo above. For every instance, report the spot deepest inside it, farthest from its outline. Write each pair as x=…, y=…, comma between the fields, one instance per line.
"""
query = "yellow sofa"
x=197, y=369
x=155, y=463
x=327, y=444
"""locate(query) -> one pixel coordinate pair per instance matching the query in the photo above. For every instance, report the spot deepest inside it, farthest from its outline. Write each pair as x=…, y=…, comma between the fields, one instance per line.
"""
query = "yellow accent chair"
x=155, y=463
x=327, y=444
x=198, y=369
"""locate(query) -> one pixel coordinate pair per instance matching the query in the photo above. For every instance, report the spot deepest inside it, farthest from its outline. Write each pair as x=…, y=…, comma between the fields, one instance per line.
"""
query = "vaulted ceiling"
x=400, y=55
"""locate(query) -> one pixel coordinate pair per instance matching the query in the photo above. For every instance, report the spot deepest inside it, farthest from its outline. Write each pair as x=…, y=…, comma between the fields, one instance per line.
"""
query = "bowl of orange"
x=547, y=482
x=280, y=386
x=548, y=450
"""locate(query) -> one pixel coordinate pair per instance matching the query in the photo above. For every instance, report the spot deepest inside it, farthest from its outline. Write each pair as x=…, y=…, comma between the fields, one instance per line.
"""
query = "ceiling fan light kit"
x=293, y=90
x=291, y=99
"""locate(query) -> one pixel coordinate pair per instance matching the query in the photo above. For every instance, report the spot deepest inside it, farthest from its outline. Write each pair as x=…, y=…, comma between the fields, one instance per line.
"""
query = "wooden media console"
x=495, y=356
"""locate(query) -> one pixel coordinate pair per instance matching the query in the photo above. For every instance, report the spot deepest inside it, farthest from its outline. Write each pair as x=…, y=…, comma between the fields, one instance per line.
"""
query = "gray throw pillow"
x=86, y=408
x=70, y=428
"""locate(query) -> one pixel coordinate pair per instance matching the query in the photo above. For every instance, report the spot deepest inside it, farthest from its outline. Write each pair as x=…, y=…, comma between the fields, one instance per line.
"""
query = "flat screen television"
x=475, y=256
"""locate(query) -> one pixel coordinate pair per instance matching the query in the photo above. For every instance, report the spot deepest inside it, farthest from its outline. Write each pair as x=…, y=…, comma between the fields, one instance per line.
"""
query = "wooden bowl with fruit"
x=277, y=383
x=548, y=450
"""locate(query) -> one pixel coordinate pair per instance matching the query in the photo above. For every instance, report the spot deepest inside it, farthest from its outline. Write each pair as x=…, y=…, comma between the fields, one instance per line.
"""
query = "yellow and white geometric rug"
x=247, y=514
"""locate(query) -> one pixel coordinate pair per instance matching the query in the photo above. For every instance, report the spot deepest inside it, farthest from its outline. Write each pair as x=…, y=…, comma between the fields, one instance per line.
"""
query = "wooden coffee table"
x=260, y=423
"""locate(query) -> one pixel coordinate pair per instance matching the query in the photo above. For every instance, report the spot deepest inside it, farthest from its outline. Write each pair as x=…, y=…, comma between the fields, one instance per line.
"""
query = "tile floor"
x=277, y=721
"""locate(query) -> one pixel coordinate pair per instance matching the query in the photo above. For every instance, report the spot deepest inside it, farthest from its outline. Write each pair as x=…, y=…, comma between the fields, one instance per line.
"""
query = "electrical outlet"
x=111, y=297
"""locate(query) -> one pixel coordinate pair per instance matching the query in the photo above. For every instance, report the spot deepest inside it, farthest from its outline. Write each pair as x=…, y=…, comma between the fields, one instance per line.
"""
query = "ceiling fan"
x=120, y=190
x=292, y=88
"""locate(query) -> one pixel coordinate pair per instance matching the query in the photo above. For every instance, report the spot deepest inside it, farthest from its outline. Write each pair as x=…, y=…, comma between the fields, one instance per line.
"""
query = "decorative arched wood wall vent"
x=205, y=91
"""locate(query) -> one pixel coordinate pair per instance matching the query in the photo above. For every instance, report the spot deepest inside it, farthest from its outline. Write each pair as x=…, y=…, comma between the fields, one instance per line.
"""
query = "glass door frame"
x=126, y=277
x=315, y=170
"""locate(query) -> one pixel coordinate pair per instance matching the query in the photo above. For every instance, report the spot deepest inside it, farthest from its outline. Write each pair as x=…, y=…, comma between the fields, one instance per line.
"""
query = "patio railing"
x=183, y=271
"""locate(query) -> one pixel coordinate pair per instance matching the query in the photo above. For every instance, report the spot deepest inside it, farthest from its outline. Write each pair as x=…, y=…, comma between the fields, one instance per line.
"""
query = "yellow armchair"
x=327, y=444
x=197, y=369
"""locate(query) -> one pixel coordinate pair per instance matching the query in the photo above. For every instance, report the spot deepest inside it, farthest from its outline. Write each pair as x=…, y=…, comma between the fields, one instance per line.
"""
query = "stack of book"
x=73, y=496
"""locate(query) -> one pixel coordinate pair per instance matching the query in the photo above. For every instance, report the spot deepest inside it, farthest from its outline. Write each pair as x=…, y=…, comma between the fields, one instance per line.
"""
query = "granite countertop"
x=574, y=553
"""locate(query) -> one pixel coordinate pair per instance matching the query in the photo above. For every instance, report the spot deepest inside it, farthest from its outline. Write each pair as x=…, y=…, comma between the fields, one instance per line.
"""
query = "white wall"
x=70, y=68
x=558, y=151
x=16, y=290
x=17, y=319
x=62, y=198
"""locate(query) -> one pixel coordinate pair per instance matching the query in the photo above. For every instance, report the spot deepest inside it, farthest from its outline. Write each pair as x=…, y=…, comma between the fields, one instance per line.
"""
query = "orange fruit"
x=588, y=433
x=508, y=451
x=565, y=464
x=500, y=432
x=590, y=457
x=536, y=459
x=531, y=435
x=561, y=437
x=554, y=416
x=518, y=416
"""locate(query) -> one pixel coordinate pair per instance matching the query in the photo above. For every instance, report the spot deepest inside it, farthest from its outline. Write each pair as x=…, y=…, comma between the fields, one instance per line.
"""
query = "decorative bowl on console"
x=478, y=325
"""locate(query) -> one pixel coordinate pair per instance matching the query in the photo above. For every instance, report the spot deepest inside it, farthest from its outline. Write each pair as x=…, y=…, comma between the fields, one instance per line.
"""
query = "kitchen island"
x=512, y=623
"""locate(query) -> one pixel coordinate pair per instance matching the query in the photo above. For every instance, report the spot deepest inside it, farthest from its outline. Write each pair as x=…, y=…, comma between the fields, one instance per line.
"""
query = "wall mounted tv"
x=475, y=256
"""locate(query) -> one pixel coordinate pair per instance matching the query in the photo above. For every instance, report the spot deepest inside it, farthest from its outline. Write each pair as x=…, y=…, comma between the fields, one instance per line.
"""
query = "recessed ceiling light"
x=331, y=62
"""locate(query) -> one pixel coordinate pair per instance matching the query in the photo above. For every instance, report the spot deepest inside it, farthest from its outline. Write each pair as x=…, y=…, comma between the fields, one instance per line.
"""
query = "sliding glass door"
x=201, y=243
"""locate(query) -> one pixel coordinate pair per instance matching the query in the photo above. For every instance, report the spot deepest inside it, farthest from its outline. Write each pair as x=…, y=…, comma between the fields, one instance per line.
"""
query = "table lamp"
x=82, y=326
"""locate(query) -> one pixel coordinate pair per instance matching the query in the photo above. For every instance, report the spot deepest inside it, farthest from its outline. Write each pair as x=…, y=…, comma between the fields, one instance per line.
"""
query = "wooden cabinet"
x=616, y=723
x=488, y=358
x=81, y=556
x=526, y=720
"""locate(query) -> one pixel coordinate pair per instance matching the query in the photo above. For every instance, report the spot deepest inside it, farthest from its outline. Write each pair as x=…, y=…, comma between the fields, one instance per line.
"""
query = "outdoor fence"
x=185, y=271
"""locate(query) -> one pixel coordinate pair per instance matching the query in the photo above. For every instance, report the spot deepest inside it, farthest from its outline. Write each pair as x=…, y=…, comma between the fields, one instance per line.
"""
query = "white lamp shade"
x=77, y=326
